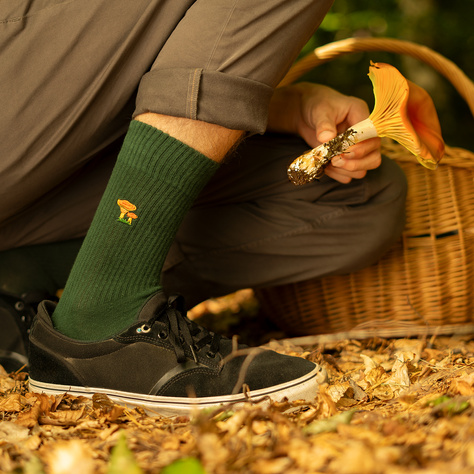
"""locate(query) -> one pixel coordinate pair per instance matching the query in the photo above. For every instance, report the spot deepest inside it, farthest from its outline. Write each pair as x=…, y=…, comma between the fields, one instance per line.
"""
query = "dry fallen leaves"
x=389, y=406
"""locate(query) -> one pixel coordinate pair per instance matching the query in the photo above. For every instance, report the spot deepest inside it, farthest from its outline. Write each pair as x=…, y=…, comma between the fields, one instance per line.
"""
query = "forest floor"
x=389, y=406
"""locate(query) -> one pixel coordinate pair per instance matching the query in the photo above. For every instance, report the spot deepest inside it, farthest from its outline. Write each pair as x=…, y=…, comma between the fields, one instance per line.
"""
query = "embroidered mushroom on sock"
x=131, y=216
x=125, y=210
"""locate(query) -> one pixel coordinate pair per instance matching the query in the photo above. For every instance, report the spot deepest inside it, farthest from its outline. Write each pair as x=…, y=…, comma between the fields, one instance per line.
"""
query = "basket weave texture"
x=426, y=280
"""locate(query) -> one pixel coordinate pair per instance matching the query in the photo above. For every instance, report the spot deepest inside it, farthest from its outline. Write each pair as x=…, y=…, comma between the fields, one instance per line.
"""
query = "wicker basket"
x=425, y=283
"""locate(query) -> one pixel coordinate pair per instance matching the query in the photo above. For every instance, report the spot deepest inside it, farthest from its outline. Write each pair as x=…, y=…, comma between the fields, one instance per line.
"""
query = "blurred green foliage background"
x=445, y=26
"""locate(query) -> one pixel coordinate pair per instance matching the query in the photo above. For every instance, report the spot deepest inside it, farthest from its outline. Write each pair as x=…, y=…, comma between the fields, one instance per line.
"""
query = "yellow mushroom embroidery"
x=125, y=211
x=403, y=112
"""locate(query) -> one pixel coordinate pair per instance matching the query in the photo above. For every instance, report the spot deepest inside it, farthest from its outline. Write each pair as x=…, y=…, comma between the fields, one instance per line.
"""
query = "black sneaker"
x=164, y=363
x=16, y=315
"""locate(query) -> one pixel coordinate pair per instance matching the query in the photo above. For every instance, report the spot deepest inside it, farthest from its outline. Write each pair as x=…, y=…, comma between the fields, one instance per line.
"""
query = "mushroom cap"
x=406, y=113
x=132, y=215
x=422, y=115
x=127, y=205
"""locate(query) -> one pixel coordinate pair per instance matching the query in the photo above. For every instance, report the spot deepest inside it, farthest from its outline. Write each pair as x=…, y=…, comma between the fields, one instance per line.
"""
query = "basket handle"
x=331, y=51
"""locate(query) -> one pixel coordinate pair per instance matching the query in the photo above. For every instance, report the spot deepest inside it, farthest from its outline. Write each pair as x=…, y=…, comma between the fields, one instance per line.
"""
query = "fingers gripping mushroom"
x=403, y=112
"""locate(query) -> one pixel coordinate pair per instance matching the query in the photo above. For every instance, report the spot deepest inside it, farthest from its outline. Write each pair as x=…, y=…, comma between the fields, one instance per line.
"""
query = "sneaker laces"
x=184, y=333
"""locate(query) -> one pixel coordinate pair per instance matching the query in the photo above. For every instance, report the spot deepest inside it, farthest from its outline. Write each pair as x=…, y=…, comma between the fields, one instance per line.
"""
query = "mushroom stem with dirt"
x=403, y=112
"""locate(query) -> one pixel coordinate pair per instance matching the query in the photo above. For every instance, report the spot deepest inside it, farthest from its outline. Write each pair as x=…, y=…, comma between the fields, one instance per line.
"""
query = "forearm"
x=284, y=110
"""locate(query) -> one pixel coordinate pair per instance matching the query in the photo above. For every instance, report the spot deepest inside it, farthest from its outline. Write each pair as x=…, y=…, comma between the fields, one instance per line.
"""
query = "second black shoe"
x=16, y=315
x=164, y=363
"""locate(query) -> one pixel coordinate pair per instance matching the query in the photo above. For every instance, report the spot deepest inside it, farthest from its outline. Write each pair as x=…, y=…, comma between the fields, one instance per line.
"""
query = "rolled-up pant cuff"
x=209, y=97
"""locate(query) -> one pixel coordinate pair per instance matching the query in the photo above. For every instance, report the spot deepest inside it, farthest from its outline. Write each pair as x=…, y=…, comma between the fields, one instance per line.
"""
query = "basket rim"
x=322, y=54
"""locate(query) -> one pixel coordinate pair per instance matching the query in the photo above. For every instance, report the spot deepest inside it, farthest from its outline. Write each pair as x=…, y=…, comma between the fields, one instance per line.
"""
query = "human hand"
x=318, y=113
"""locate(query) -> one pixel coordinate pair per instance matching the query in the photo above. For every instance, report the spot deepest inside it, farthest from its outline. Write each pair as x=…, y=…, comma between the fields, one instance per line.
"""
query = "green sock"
x=153, y=184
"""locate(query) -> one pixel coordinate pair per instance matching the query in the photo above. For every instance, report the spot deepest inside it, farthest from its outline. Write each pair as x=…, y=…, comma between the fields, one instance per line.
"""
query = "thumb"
x=325, y=130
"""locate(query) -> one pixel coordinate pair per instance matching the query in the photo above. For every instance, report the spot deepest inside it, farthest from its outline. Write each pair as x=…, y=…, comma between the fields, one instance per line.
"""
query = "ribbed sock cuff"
x=156, y=153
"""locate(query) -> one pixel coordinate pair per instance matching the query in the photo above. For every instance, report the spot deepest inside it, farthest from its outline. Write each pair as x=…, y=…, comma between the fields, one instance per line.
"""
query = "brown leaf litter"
x=389, y=406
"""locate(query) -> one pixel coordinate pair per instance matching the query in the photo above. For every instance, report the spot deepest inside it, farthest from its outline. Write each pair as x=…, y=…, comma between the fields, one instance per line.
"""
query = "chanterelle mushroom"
x=403, y=112
x=125, y=206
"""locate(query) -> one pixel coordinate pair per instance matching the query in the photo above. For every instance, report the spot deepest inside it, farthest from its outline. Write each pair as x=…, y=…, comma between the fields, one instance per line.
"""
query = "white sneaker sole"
x=304, y=388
